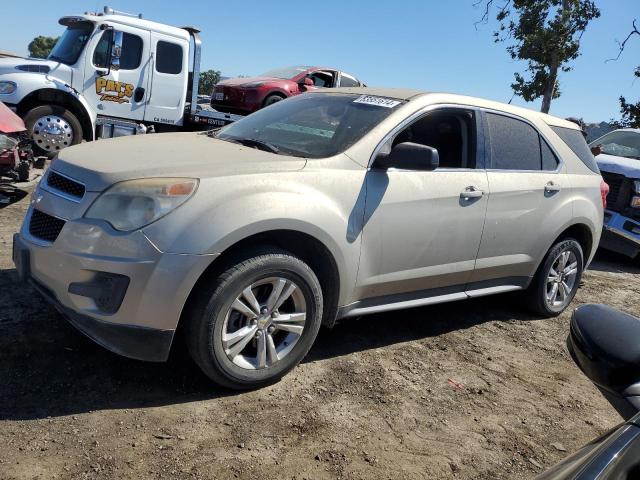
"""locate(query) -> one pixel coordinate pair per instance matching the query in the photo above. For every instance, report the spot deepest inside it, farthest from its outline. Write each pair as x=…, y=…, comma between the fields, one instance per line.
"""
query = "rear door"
x=116, y=85
x=530, y=202
x=168, y=89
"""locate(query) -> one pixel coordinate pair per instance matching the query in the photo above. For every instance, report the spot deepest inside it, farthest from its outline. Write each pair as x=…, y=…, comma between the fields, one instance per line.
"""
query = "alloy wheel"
x=561, y=279
x=264, y=323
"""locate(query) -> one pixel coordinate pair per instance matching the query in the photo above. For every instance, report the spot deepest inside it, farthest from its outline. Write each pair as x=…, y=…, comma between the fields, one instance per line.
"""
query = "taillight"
x=604, y=191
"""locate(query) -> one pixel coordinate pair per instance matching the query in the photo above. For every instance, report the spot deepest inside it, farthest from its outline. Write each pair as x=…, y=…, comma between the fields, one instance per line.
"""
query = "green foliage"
x=546, y=34
x=630, y=114
x=207, y=80
x=40, y=47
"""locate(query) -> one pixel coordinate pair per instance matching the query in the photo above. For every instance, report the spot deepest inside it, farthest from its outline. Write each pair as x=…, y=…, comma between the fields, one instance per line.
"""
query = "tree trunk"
x=550, y=88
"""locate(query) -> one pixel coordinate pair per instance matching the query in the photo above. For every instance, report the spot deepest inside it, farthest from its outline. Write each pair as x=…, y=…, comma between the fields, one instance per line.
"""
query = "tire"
x=271, y=99
x=541, y=288
x=63, y=129
x=214, y=318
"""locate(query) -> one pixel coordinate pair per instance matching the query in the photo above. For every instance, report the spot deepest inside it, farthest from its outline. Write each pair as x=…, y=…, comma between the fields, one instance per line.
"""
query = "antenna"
x=111, y=11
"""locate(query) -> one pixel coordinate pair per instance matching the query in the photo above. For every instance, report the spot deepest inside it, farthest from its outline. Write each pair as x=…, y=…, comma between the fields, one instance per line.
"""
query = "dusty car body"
x=325, y=206
x=619, y=164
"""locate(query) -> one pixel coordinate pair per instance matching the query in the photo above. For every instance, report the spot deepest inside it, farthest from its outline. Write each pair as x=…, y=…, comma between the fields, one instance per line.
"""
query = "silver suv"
x=325, y=206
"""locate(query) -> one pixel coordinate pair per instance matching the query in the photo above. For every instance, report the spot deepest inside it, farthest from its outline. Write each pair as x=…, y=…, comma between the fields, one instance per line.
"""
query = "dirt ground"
x=478, y=389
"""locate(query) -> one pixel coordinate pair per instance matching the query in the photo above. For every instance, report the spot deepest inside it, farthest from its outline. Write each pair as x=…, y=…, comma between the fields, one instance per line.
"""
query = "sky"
x=424, y=44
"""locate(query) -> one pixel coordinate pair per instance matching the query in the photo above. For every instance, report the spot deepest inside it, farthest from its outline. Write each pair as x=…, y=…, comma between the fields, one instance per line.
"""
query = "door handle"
x=138, y=94
x=471, y=192
x=551, y=187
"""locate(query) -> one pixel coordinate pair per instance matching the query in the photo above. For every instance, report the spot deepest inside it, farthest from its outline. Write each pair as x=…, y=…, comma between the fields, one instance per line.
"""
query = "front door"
x=423, y=229
x=118, y=85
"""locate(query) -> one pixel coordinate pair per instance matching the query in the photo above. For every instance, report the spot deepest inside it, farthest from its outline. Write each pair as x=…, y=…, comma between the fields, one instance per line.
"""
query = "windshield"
x=286, y=72
x=315, y=125
x=620, y=143
x=70, y=45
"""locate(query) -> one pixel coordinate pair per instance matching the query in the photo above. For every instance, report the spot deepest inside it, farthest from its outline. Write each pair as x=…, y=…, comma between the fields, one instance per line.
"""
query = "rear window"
x=578, y=145
x=168, y=58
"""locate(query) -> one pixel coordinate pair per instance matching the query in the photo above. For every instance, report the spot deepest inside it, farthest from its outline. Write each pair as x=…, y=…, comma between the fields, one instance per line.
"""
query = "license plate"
x=218, y=96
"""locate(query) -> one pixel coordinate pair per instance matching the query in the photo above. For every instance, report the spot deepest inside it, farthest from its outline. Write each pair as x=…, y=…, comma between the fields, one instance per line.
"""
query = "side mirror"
x=605, y=344
x=305, y=82
x=116, y=50
x=409, y=156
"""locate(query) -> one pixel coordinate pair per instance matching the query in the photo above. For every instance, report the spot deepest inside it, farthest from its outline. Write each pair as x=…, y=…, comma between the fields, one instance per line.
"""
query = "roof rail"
x=111, y=11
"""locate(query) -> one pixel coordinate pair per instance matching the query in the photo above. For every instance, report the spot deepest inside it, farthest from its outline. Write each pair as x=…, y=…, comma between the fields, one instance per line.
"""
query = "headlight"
x=636, y=186
x=252, y=85
x=7, y=87
x=133, y=204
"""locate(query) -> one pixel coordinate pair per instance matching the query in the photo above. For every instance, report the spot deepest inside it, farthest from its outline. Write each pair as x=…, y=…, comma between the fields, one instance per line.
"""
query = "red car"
x=246, y=95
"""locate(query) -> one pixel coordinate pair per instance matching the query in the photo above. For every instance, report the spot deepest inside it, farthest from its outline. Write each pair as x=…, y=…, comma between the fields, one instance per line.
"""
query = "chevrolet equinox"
x=324, y=206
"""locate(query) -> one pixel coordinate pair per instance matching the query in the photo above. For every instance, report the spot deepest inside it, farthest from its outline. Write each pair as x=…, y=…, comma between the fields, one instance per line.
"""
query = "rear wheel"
x=256, y=321
x=52, y=128
x=271, y=99
x=557, y=279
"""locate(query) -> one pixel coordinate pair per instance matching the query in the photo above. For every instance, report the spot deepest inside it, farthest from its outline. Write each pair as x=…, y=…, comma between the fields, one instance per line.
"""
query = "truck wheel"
x=271, y=99
x=256, y=321
x=557, y=279
x=52, y=128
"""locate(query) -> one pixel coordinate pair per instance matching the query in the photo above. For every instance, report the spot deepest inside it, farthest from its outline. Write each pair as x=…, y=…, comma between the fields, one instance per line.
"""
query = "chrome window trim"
x=44, y=185
x=422, y=112
x=543, y=136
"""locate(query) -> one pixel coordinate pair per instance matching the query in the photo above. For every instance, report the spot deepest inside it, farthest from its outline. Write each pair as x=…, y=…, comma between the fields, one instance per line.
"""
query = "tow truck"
x=110, y=74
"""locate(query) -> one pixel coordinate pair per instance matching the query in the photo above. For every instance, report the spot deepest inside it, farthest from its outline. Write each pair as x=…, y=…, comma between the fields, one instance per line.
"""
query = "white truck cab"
x=110, y=74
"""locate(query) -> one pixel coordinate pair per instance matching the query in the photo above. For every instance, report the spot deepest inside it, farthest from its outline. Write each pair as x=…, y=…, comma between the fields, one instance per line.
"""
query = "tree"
x=40, y=47
x=544, y=33
x=630, y=111
x=207, y=80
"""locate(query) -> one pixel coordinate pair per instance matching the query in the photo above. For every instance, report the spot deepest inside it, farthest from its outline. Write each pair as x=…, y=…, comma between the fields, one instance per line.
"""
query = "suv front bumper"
x=621, y=234
x=117, y=289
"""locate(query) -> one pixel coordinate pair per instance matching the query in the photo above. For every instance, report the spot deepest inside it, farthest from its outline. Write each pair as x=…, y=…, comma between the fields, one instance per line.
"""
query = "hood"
x=629, y=167
x=237, y=82
x=102, y=163
x=37, y=66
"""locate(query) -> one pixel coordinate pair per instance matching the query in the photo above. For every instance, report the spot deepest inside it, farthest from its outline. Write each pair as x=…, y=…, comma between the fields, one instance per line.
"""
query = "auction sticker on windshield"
x=377, y=101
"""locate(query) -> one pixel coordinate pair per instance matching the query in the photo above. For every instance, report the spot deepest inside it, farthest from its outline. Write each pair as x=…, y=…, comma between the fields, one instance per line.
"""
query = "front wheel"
x=557, y=279
x=271, y=99
x=52, y=128
x=256, y=321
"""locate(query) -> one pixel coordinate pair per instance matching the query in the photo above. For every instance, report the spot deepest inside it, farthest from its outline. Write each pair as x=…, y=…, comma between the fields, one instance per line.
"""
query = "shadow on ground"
x=606, y=261
x=49, y=369
x=10, y=194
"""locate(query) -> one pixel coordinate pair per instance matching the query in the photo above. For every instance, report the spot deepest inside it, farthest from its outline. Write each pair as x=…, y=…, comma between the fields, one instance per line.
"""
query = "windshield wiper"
x=255, y=143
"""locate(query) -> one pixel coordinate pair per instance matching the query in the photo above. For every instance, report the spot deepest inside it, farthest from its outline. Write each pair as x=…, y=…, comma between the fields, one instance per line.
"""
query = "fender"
x=336, y=222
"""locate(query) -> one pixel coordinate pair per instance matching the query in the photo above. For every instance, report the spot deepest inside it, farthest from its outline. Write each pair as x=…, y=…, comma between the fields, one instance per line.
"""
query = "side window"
x=516, y=145
x=451, y=132
x=168, y=58
x=100, y=59
x=322, y=79
x=549, y=160
x=130, y=54
x=348, y=81
x=576, y=142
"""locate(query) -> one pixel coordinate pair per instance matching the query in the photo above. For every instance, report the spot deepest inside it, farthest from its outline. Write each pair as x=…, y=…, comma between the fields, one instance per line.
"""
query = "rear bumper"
x=621, y=234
